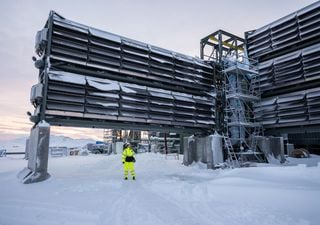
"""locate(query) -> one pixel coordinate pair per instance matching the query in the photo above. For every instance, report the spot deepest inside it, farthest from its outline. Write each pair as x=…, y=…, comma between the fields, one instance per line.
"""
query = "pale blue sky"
x=175, y=25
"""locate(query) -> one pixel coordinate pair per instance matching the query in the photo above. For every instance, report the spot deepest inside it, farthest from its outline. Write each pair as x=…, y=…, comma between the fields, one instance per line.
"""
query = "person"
x=128, y=161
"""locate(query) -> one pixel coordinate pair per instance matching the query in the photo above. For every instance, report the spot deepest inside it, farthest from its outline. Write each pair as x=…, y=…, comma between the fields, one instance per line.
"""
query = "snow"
x=90, y=190
x=160, y=60
x=110, y=104
x=105, y=35
x=43, y=123
x=135, y=44
x=312, y=161
x=103, y=84
x=127, y=89
x=161, y=51
x=67, y=77
x=108, y=95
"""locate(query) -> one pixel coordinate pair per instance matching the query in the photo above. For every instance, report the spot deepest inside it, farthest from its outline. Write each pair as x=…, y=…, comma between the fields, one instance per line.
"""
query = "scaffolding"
x=219, y=45
x=240, y=96
x=138, y=139
x=108, y=135
x=240, y=91
x=168, y=144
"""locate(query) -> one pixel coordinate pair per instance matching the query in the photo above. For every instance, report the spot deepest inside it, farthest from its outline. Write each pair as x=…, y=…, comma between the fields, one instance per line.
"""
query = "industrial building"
x=260, y=94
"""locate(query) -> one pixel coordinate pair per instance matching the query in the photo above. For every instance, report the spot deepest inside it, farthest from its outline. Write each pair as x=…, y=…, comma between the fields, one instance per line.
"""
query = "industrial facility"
x=245, y=99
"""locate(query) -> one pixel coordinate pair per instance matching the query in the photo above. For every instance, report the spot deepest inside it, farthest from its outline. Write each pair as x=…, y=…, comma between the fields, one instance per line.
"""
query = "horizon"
x=52, y=135
x=179, y=30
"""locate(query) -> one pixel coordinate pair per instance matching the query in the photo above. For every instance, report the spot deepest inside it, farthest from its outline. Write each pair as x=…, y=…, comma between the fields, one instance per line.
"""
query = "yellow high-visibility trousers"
x=128, y=166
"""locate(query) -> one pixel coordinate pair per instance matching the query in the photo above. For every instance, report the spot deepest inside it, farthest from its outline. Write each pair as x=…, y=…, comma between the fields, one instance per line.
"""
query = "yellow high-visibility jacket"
x=128, y=155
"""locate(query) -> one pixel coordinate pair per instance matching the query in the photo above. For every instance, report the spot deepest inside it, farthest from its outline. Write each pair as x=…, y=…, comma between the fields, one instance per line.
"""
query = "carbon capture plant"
x=244, y=100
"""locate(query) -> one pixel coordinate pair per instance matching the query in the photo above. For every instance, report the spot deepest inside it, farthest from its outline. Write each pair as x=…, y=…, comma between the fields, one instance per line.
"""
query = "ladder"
x=254, y=87
x=258, y=130
x=232, y=156
x=254, y=141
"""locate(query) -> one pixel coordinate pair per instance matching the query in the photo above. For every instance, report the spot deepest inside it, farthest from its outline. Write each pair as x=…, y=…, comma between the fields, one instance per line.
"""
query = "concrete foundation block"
x=203, y=149
x=38, y=154
x=217, y=149
x=273, y=148
x=189, y=154
x=277, y=148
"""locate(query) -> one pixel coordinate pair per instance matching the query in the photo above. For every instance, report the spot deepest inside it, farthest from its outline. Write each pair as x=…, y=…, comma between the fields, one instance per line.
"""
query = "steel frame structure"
x=220, y=44
x=228, y=51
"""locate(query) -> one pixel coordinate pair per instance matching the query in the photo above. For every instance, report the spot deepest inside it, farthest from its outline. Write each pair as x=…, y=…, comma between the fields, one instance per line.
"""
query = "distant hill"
x=68, y=142
x=18, y=145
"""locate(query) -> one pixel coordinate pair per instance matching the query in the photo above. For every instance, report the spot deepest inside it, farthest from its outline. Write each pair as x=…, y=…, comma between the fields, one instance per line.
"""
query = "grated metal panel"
x=291, y=109
x=289, y=69
x=299, y=67
x=97, y=79
x=301, y=28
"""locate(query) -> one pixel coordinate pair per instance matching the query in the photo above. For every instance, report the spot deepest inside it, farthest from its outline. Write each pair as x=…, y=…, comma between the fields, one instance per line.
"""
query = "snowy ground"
x=90, y=190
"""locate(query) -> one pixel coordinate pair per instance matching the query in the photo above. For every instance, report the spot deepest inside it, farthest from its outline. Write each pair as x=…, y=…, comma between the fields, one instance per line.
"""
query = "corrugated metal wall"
x=94, y=74
x=288, y=51
x=291, y=32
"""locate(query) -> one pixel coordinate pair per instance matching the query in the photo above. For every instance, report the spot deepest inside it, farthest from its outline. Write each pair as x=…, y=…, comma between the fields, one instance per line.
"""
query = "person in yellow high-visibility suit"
x=128, y=161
